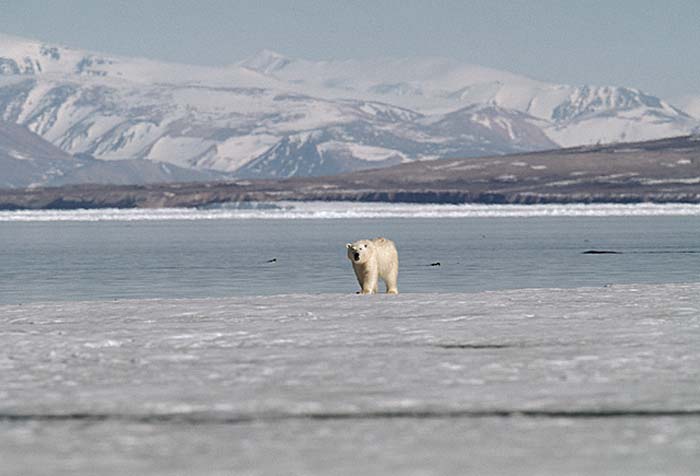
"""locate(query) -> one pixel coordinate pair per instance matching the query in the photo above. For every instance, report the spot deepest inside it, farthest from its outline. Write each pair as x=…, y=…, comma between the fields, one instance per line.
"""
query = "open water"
x=117, y=258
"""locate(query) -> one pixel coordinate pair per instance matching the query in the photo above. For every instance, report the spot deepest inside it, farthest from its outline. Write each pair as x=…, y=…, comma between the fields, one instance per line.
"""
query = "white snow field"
x=534, y=381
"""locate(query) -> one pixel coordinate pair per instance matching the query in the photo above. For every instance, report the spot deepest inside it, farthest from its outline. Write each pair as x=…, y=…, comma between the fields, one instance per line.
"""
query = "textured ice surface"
x=351, y=210
x=578, y=381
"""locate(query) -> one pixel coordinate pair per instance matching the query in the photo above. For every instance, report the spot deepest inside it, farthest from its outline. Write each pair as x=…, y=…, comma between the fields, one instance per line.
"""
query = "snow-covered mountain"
x=27, y=160
x=274, y=116
x=571, y=115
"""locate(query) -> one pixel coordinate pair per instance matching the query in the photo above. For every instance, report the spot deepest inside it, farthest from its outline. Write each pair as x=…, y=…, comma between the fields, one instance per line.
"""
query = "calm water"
x=181, y=258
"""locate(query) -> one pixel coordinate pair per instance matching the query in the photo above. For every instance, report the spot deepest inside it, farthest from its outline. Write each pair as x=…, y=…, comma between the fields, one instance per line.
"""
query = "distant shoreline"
x=662, y=171
x=352, y=210
x=196, y=195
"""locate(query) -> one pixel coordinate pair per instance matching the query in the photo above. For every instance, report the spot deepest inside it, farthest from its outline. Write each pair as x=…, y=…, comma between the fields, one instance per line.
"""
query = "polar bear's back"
x=382, y=242
x=387, y=256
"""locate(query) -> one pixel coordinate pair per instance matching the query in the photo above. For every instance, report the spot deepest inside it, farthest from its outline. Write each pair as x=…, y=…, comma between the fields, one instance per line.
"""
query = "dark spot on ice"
x=601, y=252
x=215, y=418
x=474, y=346
x=273, y=260
x=437, y=263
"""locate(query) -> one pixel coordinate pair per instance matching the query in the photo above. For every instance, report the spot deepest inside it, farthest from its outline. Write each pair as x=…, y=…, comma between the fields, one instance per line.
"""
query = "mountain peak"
x=266, y=61
x=587, y=100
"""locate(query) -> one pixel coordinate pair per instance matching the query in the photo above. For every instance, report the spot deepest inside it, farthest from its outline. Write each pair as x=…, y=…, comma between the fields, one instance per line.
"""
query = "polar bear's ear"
x=348, y=245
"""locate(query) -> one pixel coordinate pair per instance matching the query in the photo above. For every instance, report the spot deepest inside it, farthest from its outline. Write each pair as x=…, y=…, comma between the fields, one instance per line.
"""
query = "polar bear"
x=374, y=259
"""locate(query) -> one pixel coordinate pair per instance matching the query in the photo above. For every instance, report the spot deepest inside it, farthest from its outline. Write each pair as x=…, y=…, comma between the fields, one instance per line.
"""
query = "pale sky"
x=653, y=45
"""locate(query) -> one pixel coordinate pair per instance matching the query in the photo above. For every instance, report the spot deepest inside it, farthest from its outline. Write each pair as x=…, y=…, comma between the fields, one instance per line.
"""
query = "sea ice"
x=532, y=381
x=350, y=210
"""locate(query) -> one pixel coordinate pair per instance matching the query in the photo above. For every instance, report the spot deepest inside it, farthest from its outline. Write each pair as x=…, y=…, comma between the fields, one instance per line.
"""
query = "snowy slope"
x=574, y=115
x=274, y=116
x=27, y=160
x=31, y=57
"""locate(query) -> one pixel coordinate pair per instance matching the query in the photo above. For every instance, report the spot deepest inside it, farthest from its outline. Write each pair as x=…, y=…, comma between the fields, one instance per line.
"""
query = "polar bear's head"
x=360, y=251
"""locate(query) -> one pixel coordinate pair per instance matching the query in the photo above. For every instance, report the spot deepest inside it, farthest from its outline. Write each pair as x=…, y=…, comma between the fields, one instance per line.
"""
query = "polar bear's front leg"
x=370, y=282
x=391, y=281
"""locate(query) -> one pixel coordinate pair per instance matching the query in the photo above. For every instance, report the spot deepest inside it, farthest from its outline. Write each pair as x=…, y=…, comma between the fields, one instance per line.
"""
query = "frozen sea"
x=164, y=342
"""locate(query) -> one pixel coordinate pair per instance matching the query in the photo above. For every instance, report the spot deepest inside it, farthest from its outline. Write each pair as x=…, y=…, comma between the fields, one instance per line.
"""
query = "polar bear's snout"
x=356, y=256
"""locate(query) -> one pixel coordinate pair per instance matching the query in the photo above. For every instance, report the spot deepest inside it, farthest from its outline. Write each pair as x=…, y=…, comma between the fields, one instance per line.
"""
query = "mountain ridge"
x=661, y=171
x=27, y=160
x=241, y=118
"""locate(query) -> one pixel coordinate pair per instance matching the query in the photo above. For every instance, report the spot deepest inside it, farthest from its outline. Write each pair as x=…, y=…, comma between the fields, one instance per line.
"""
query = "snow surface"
x=362, y=152
x=534, y=381
x=180, y=150
x=238, y=151
x=346, y=210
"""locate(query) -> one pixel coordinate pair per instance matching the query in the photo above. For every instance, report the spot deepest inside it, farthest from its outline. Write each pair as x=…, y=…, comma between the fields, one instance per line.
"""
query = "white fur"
x=378, y=259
